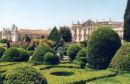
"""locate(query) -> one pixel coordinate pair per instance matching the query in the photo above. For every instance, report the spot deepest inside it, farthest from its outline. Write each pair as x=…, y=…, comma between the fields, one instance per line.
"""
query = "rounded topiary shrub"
x=12, y=55
x=81, y=58
x=25, y=75
x=73, y=50
x=24, y=54
x=50, y=58
x=102, y=46
x=121, y=60
x=2, y=50
x=39, y=53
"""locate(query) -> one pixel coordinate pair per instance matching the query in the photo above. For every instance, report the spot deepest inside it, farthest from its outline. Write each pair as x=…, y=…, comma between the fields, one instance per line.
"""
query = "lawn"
x=120, y=79
x=77, y=76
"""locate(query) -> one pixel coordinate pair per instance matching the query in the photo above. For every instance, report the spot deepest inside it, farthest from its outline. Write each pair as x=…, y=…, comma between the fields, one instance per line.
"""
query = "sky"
x=44, y=14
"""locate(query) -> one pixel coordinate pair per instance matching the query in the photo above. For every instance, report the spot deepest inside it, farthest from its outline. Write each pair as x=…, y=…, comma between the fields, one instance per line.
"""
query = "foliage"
x=12, y=55
x=81, y=58
x=78, y=77
x=15, y=55
x=121, y=60
x=31, y=52
x=50, y=58
x=127, y=22
x=3, y=40
x=2, y=50
x=65, y=33
x=54, y=35
x=39, y=53
x=44, y=41
x=25, y=75
x=1, y=78
x=102, y=46
x=73, y=50
x=119, y=79
x=31, y=47
x=83, y=43
x=24, y=54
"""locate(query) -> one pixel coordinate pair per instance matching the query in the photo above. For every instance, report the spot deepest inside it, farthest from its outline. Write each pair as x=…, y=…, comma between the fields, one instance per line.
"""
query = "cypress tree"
x=127, y=22
x=54, y=35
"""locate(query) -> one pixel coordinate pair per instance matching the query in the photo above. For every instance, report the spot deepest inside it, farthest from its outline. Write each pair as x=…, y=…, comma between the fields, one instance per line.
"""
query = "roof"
x=89, y=23
x=32, y=32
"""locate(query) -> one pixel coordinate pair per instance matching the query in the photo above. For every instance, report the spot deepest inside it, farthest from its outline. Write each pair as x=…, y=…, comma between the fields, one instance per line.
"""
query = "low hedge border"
x=93, y=79
x=55, y=66
x=8, y=64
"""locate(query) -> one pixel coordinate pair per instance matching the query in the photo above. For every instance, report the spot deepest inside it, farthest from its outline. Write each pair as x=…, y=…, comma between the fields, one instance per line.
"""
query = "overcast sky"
x=43, y=14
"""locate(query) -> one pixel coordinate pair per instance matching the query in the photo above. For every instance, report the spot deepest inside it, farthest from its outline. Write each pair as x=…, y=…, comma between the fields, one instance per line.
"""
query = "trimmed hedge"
x=50, y=58
x=72, y=51
x=15, y=55
x=11, y=55
x=25, y=75
x=81, y=58
x=121, y=61
x=39, y=53
x=24, y=54
x=2, y=50
x=102, y=46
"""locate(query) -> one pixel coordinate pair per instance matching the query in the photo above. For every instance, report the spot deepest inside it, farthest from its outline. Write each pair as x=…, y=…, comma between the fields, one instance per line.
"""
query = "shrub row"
x=15, y=55
x=25, y=75
x=121, y=60
x=45, y=54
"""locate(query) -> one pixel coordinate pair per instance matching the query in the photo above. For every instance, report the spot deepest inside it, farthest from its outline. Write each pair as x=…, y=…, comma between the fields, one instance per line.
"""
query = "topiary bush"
x=102, y=46
x=12, y=55
x=81, y=58
x=25, y=75
x=73, y=50
x=121, y=60
x=24, y=54
x=39, y=53
x=2, y=50
x=50, y=58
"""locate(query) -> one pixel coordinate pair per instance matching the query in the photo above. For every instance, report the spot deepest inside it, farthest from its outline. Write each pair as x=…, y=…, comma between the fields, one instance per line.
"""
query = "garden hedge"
x=102, y=46
x=2, y=50
x=72, y=51
x=25, y=75
x=121, y=60
x=81, y=58
x=39, y=53
x=50, y=58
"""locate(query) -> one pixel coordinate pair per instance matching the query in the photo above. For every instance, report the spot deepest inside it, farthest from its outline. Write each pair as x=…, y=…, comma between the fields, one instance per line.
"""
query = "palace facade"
x=81, y=31
x=14, y=34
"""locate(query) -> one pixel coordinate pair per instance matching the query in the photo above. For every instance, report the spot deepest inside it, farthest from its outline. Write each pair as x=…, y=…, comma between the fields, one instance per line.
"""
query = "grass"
x=79, y=76
x=120, y=79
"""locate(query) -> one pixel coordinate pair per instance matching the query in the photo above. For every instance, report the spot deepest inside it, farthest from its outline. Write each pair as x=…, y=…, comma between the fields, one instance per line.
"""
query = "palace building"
x=14, y=34
x=81, y=31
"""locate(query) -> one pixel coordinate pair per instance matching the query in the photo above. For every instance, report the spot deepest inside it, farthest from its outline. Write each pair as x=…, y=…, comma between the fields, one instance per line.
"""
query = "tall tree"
x=54, y=35
x=66, y=34
x=127, y=22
